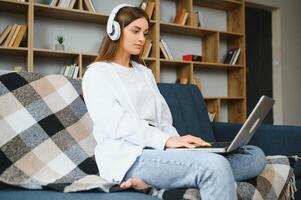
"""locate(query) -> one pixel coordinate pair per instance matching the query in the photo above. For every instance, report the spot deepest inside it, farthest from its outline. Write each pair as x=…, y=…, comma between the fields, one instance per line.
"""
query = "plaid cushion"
x=46, y=138
x=46, y=142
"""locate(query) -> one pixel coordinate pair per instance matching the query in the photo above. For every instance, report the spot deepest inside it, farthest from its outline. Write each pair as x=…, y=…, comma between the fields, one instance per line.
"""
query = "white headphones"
x=113, y=27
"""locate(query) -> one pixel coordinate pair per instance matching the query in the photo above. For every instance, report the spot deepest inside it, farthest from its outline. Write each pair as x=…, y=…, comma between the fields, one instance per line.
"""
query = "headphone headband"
x=113, y=27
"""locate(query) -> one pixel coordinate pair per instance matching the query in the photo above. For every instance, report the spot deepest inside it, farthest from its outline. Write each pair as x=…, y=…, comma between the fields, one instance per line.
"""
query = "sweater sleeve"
x=112, y=119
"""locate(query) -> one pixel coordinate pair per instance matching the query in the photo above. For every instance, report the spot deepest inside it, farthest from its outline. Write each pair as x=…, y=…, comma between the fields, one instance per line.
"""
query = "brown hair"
x=125, y=16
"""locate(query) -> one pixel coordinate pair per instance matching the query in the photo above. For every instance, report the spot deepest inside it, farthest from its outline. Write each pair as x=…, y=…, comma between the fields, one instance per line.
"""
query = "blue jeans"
x=213, y=174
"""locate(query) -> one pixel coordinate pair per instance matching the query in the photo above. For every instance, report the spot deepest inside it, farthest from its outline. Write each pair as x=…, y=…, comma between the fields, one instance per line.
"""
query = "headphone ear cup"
x=116, y=31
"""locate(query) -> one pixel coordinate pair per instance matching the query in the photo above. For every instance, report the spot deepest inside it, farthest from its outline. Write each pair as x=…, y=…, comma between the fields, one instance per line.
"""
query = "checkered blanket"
x=46, y=142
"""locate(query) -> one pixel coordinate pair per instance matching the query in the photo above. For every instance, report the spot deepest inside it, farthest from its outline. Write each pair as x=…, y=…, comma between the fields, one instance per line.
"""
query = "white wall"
x=286, y=63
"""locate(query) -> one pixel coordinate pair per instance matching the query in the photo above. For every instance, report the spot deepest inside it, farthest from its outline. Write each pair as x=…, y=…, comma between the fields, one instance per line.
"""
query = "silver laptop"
x=246, y=132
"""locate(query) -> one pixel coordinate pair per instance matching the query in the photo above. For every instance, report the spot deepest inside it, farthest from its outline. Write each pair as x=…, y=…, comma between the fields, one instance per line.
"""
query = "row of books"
x=71, y=71
x=87, y=4
x=147, y=48
x=12, y=35
x=232, y=56
x=182, y=18
x=148, y=7
x=63, y=3
x=166, y=50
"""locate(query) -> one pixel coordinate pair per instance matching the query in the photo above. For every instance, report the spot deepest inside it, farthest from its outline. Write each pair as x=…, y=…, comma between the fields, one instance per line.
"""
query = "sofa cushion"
x=188, y=110
x=46, y=132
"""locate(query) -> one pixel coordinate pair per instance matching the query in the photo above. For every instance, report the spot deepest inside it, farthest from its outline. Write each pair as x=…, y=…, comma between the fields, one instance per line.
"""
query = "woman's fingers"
x=127, y=184
x=135, y=183
x=139, y=184
x=187, y=145
x=187, y=141
x=195, y=140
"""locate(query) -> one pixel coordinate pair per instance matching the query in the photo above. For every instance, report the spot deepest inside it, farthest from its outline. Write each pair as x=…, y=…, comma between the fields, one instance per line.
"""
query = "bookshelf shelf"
x=230, y=35
x=69, y=14
x=13, y=51
x=54, y=53
x=15, y=7
x=218, y=4
x=205, y=65
x=44, y=10
x=174, y=63
x=189, y=30
x=89, y=55
x=208, y=65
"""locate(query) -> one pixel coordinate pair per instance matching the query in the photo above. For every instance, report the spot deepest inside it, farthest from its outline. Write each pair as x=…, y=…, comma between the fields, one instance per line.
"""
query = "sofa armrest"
x=272, y=139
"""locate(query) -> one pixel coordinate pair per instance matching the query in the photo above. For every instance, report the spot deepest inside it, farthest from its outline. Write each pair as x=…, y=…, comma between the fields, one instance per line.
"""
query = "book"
x=191, y=57
x=235, y=56
x=180, y=14
x=229, y=56
x=5, y=33
x=92, y=6
x=168, y=51
x=54, y=2
x=70, y=73
x=11, y=42
x=199, y=21
x=67, y=68
x=62, y=3
x=75, y=73
x=211, y=116
x=150, y=9
x=88, y=6
x=71, y=4
x=163, y=51
x=20, y=36
x=11, y=33
x=184, y=20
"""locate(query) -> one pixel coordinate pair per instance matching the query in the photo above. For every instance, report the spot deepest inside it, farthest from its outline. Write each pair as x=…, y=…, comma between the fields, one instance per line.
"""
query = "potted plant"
x=60, y=39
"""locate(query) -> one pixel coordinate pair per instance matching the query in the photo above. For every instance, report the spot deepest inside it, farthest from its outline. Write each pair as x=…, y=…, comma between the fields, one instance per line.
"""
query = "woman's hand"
x=188, y=141
x=135, y=183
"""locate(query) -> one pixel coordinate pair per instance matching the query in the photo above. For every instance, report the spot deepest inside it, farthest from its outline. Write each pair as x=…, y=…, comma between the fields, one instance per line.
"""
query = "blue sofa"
x=190, y=116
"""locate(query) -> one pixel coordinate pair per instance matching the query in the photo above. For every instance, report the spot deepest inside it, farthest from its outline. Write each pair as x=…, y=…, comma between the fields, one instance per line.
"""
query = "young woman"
x=133, y=124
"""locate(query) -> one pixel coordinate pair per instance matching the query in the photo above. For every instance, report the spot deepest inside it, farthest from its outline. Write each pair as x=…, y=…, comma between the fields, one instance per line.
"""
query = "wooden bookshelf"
x=211, y=39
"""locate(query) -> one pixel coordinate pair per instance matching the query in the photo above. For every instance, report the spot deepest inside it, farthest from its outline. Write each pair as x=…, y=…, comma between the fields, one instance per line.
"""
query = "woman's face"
x=134, y=35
